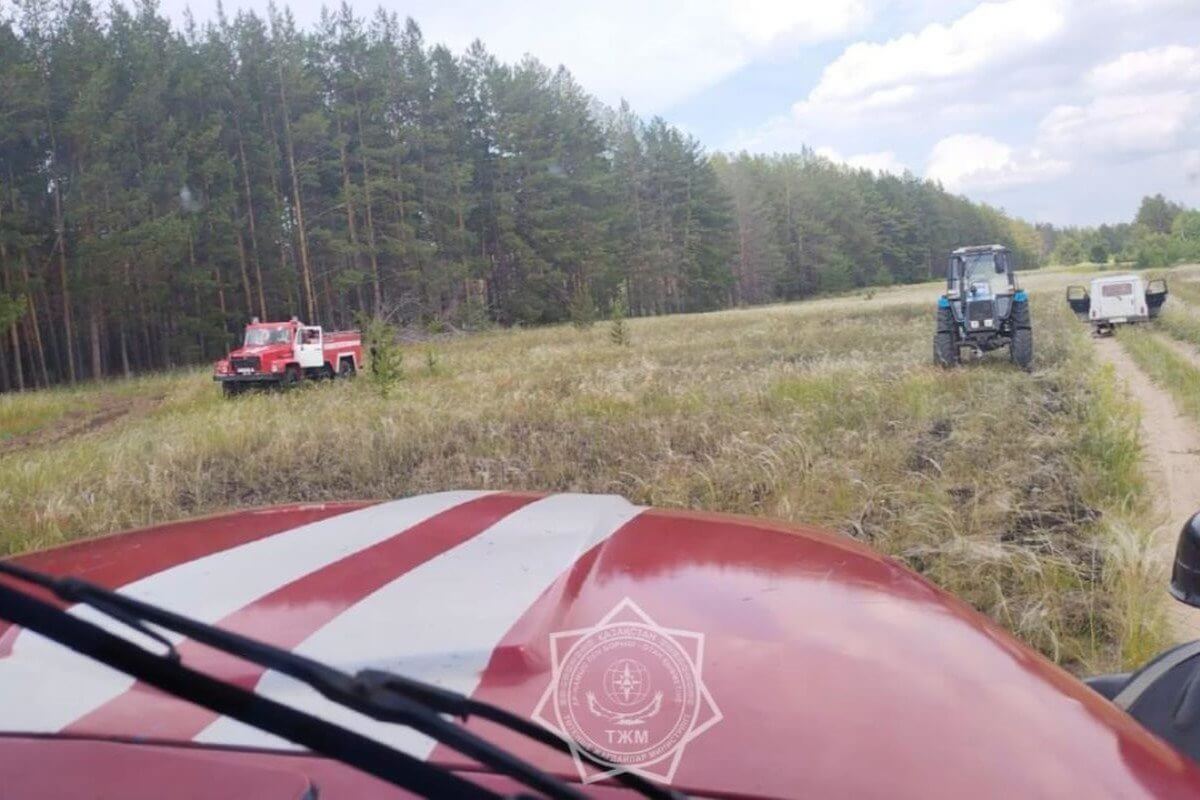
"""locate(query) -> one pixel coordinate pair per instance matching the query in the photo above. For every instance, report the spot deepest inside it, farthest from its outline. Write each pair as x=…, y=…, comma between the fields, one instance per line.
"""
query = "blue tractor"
x=983, y=308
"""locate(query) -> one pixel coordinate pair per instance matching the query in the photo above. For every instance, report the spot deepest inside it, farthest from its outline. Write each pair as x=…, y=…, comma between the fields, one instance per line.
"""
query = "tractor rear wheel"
x=1020, y=350
x=945, y=349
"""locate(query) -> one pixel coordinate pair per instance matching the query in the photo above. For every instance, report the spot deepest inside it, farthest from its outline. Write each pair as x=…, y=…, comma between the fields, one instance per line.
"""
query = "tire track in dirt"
x=79, y=423
x=1171, y=449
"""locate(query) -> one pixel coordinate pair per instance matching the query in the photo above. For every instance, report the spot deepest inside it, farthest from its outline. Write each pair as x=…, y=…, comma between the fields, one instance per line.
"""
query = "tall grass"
x=1020, y=492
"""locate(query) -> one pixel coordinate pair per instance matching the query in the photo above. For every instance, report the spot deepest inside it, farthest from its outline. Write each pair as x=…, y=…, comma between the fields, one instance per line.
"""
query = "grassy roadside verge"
x=1019, y=492
x=1166, y=367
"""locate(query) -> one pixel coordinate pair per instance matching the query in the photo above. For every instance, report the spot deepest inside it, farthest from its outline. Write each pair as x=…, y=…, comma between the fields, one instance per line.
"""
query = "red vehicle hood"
x=821, y=668
x=259, y=350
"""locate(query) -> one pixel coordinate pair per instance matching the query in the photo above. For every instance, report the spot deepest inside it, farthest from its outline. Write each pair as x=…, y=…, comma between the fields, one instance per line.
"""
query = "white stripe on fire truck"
x=441, y=621
x=44, y=687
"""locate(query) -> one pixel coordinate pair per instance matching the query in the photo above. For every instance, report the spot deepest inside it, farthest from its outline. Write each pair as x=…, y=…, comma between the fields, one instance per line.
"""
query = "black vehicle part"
x=1185, y=573
x=1079, y=301
x=1164, y=695
x=981, y=312
x=1020, y=350
x=1108, y=686
x=1156, y=295
x=1020, y=315
x=380, y=695
x=945, y=345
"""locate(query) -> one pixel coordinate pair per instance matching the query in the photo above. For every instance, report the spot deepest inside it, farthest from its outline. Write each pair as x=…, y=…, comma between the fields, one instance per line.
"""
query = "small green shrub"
x=582, y=308
x=618, y=331
x=385, y=360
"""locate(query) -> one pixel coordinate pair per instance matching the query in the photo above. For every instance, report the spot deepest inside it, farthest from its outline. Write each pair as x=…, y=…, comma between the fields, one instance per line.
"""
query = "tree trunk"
x=262, y=300
x=124, y=352
x=18, y=370
x=280, y=201
x=14, y=335
x=241, y=248
x=351, y=226
x=35, y=330
x=68, y=332
x=94, y=334
x=305, y=267
x=362, y=154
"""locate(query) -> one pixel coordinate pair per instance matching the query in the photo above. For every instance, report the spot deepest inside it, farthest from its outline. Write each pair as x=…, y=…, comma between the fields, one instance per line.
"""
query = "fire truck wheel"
x=291, y=377
x=346, y=370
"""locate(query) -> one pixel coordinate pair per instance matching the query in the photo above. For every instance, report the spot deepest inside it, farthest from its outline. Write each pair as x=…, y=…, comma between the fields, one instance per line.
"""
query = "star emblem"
x=627, y=695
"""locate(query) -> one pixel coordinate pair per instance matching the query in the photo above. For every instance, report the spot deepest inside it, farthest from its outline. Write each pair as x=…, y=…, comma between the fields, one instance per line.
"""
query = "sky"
x=1063, y=111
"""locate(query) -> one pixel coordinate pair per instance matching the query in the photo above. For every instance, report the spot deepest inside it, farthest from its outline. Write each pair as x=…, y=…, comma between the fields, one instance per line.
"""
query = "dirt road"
x=1171, y=443
x=77, y=423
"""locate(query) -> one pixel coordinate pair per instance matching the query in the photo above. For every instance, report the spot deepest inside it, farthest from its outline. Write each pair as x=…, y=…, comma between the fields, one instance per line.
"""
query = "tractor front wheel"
x=1021, y=348
x=945, y=349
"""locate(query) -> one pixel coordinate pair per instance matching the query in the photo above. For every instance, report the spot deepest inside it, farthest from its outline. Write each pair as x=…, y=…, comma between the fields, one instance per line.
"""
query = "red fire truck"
x=284, y=353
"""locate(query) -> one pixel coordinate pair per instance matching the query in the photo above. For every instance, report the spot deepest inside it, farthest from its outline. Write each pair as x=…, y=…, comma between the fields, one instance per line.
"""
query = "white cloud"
x=1119, y=125
x=1171, y=65
x=973, y=161
x=655, y=53
x=882, y=161
x=773, y=22
x=893, y=72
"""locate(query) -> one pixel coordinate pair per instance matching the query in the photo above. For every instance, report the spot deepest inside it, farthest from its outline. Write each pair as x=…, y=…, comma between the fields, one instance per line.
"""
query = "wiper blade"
x=379, y=695
x=170, y=676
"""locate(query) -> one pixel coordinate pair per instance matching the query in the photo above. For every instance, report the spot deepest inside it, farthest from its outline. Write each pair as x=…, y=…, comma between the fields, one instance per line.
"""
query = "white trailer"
x=1117, y=300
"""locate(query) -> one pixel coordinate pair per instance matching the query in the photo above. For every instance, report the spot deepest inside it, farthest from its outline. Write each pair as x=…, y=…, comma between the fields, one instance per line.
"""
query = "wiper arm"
x=168, y=675
x=464, y=707
x=379, y=695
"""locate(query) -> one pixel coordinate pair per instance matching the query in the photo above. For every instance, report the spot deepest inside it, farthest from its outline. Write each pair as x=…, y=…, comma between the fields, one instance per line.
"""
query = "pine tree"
x=160, y=185
x=618, y=331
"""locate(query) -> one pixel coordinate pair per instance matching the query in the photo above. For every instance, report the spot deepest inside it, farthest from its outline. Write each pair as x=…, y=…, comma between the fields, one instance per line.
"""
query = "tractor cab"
x=980, y=273
x=983, y=309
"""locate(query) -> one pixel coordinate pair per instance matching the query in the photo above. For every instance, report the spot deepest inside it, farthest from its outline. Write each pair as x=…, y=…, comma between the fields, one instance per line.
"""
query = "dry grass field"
x=1021, y=492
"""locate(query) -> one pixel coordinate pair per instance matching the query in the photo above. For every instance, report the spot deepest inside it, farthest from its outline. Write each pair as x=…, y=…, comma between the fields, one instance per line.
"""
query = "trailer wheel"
x=346, y=369
x=1021, y=348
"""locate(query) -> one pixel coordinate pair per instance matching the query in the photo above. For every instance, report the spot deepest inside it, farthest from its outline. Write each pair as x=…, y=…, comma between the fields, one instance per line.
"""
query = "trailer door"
x=1121, y=301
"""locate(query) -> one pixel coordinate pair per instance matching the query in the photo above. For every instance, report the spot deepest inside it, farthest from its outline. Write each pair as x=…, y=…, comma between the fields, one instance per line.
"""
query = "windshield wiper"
x=168, y=675
x=380, y=695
